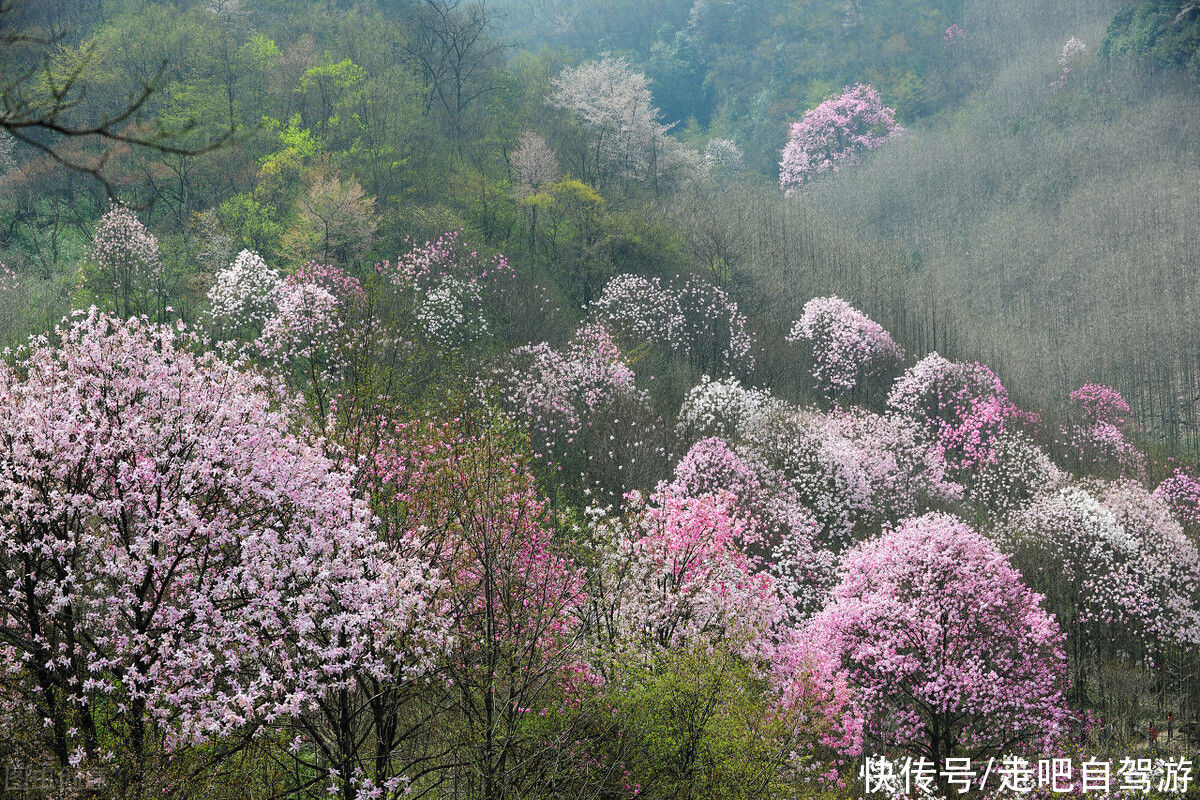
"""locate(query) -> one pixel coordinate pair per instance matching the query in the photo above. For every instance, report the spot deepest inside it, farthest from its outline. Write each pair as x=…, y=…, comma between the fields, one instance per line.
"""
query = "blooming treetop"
x=1100, y=436
x=832, y=134
x=846, y=346
x=688, y=316
x=948, y=651
x=128, y=264
x=961, y=409
x=785, y=543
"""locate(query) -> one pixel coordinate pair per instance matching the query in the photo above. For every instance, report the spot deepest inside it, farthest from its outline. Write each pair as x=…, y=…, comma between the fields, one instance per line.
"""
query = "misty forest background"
x=1046, y=232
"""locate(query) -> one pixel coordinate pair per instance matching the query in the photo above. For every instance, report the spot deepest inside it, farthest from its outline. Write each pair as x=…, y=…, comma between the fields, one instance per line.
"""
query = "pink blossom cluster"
x=954, y=34
x=677, y=574
x=455, y=289
x=1099, y=435
x=960, y=409
x=831, y=135
x=785, y=543
x=1181, y=493
x=943, y=644
x=688, y=316
x=581, y=407
x=846, y=347
x=173, y=558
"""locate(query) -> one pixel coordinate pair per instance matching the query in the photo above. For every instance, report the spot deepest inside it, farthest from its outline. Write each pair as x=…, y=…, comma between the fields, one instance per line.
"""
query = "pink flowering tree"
x=502, y=715
x=1098, y=438
x=178, y=570
x=590, y=426
x=949, y=652
x=959, y=409
x=786, y=543
x=1181, y=493
x=833, y=134
x=679, y=576
x=846, y=348
x=457, y=295
x=124, y=267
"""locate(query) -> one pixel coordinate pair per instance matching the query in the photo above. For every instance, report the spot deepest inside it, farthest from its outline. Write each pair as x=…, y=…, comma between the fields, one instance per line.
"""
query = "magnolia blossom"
x=787, y=544
x=456, y=292
x=688, y=316
x=1113, y=563
x=1181, y=493
x=846, y=346
x=960, y=409
x=832, y=134
x=128, y=265
x=721, y=408
x=243, y=294
x=174, y=559
x=948, y=651
x=1099, y=438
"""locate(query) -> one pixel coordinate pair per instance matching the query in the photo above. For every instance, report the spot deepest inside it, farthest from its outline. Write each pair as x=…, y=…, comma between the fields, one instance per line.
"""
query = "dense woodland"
x=545, y=399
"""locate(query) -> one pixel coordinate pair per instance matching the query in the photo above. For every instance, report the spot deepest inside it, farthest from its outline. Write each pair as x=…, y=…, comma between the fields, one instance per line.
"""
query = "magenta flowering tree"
x=176, y=567
x=503, y=711
x=846, y=347
x=949, y=652
x=1098, y=437
x=834, y=133
x=125, y=267
x=960, y=409
x=786, y=543
x=1181, y=493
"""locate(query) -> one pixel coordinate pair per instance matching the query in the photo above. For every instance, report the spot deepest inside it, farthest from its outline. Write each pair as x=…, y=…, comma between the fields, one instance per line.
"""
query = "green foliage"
x=698, y=723
x=1162, y=33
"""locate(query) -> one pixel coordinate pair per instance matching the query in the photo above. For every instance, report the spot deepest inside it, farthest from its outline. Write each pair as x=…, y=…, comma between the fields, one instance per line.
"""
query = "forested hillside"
x=543, y=399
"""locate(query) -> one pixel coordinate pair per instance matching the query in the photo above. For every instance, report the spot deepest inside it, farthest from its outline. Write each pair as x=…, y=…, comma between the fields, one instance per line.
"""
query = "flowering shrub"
x=581, y=407
x=954, y=34
x=243, y=294
x=846, y=347
x=1008, y=483
x=946, y=648
x=516, y=662
x=854, y=471
x=1072, y=53
x=832, y=134
x=1113, y=565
